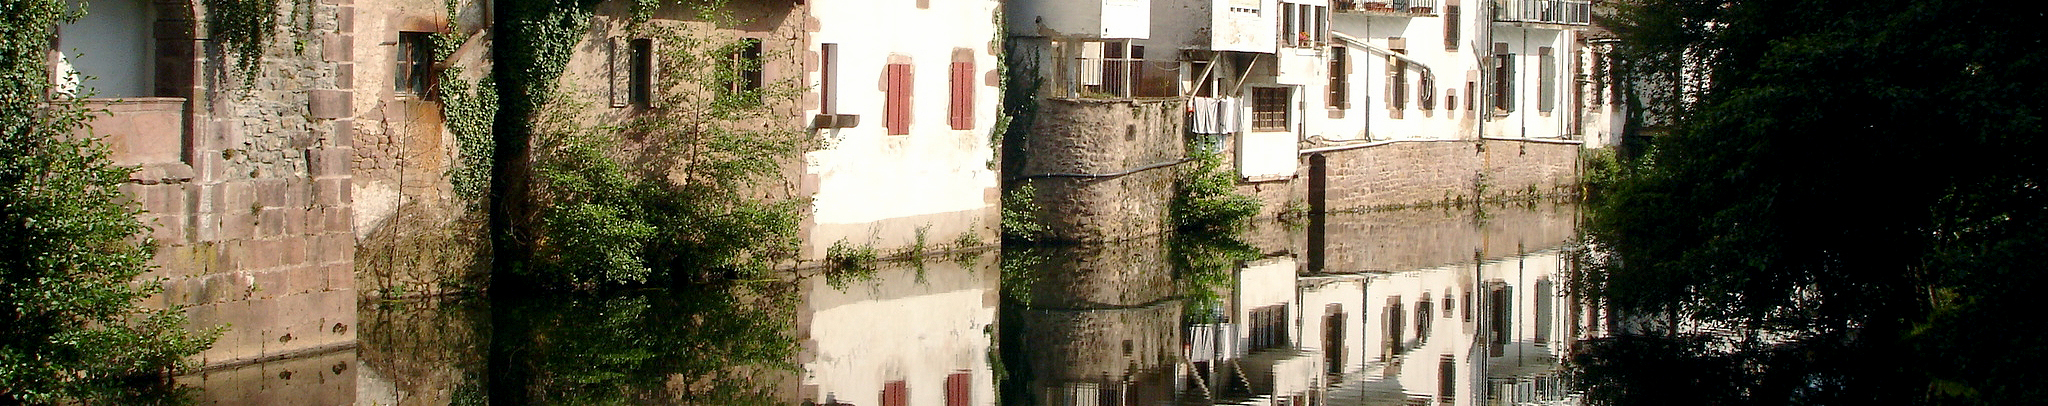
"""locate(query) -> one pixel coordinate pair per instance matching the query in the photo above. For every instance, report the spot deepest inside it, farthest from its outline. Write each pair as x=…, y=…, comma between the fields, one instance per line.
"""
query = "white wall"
x=876, y=188
x=112, y=47
x=1079, y=18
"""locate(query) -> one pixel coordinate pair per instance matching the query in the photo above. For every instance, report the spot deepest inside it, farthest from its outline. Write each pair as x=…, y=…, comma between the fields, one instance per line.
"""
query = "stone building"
x=1330, y=104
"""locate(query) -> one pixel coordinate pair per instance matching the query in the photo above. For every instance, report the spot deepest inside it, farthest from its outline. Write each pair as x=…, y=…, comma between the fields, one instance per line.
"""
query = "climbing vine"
x=470, y=108
x=244, y=28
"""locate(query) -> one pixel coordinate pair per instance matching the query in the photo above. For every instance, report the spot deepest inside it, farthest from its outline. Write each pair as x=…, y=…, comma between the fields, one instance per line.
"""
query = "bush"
x=1208, y=200
x=70, y=248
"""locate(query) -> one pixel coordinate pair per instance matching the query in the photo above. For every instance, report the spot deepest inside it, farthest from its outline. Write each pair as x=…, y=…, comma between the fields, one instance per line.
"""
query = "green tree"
x=1850, y=191
x=71, y=329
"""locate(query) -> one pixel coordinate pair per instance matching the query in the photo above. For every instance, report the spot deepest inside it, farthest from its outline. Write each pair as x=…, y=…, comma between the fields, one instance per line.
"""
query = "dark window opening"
x=1269, y=109
x=641, y=81
x=744, y=62
x=1451, y=27
x=414, y=73
x=1339, y=88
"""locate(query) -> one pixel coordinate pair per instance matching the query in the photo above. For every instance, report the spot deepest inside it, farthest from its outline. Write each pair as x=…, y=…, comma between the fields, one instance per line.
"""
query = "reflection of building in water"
x=1100, y=326
x=907, y=337
x=1402, y=327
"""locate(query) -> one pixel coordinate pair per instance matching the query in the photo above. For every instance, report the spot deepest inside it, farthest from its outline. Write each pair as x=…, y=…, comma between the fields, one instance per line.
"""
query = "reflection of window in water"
x=1446, y=378
x=1423, y=317
x=1395, y=316
x=1543, y=312
x=1333, y=338
x=1499, y=306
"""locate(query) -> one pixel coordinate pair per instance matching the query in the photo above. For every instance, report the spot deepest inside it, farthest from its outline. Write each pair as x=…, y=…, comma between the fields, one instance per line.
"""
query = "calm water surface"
x=1443, y=307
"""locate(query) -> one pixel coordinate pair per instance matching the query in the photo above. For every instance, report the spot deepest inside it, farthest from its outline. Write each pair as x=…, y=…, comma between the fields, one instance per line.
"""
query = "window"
x=1339, y=89
x=1470, y=100
x=1450, y=103
x=641, y=80
x=744, y=63
x=896, y=108
x=411, y=76
x=1333, y=338
x=1446, y=378
x=1394, y=316
x=1503, y=78
x=895, y=393
x=1269, y=327
x=1546, y=71
x=958, y=391
x=962, y=112
x=828, y=78
x=1288, y=31
x=1451, y=27
x=1303, y=25
x=1425, y=93
x=1397, y=84
x=1269, y=109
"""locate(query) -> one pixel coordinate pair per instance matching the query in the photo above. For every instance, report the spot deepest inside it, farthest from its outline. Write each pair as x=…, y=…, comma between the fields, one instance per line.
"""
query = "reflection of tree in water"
x=426, y=348
x=1103, y=320
x=722, y=345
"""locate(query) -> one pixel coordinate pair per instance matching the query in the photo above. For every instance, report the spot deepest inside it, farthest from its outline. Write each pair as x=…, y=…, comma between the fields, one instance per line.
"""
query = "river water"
x=1414, y=307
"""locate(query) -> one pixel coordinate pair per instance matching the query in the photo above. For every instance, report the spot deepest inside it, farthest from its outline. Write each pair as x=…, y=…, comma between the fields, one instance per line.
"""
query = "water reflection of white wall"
x=900, y=329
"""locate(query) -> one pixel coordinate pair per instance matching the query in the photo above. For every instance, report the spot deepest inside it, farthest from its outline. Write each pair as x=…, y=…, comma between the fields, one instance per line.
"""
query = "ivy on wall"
x=244, y=28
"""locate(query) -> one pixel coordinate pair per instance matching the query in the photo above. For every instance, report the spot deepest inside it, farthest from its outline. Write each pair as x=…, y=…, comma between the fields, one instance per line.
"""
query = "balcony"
x=140, y=130
x=1565, y=12
x=1389, y=8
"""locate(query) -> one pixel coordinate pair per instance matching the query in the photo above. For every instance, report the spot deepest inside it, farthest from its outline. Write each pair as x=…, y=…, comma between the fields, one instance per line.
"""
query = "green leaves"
x=1208, y=200
x=70, y=248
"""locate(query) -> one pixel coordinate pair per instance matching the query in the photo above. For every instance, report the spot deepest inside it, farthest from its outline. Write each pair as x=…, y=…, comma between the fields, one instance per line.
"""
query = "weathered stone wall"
x=249, y=202
x=1530, y=168
x=1422, y=173
x=1100, y=137
x=1102, y=310
x=414, y=234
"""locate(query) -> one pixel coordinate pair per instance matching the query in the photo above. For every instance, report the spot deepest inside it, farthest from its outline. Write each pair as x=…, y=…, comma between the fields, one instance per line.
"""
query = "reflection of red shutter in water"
x=957, y=390
x=895, y=393
x=897, y=107
x=962, y=113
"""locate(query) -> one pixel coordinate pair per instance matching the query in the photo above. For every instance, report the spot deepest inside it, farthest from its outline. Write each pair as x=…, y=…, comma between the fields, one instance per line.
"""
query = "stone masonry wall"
x=414, y=235
x=1422, y=173
x=1397, y=240
x=252, y=219
x=1104, y=137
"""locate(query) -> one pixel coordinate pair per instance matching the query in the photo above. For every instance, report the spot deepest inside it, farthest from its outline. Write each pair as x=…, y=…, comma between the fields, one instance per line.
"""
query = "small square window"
x=413, y=75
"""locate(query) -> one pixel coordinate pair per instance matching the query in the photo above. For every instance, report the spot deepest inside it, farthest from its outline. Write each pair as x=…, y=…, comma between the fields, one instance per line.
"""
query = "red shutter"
x=957, y=391
x=898, y=103
x=962, y=113
x=895, y=393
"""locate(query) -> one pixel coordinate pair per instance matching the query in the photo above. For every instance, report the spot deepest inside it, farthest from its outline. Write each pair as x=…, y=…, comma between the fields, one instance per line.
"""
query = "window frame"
x=412, y=70
x=1266, y=120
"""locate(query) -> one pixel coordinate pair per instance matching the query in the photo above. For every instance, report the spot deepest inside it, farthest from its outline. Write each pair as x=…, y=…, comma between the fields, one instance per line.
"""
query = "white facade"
x=1100, y=19
x=874, y=187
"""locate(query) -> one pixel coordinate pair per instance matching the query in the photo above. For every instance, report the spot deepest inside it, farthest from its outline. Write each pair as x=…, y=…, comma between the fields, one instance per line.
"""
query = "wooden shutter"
x=958, y=390
x=1546, y=70
x=620, y=71
x=1451, y=26
x=962, y=116
x=896, y=393
x=897, y=106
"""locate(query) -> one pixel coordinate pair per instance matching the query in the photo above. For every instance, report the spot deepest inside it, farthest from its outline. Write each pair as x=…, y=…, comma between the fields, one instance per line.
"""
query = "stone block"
x=344, y=134
x=271, y=222
x=344, y=75
x=333, y=192
x=293, y=251
x=329, y=162
x=294, y=221
x=237, y=225
x=164, y=198
x=338, y=48
x=345, y=19
x=167, y=229
x=271, y=192
x=270, y=284
x=337, y=219
x=340, y=276
x=336, y=247
x=329, y=103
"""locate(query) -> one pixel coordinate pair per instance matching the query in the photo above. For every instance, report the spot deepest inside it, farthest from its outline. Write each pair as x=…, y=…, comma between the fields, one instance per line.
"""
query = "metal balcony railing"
x=1387, y=7
x=1573, y=12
